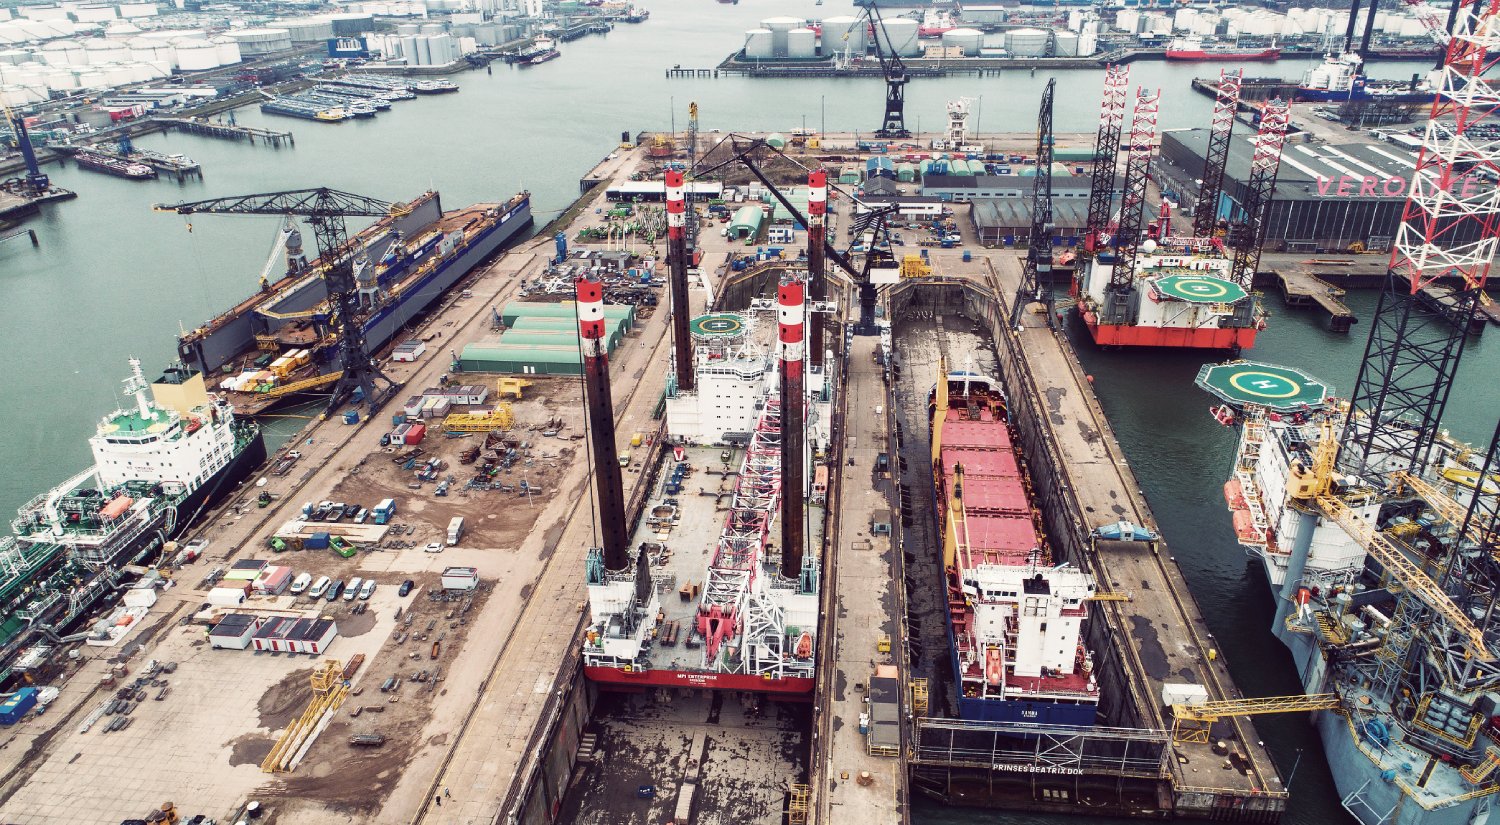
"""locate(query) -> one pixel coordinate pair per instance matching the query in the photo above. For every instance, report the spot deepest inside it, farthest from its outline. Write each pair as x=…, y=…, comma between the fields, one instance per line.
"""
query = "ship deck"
x=681, y=548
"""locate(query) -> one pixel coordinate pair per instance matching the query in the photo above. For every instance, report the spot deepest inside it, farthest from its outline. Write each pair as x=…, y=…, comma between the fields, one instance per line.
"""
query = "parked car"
x=367, y=589
x=301, y=583
x=353, y=589
x=350, y=510
x=359, y=518
x=335, y=590
x=319, y=587
x=433, y=547
x=406, y=587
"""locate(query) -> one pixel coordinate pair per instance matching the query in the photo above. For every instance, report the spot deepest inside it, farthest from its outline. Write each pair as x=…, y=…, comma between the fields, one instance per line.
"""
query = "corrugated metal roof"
x=1311, y=170
x=1001, y=213
x=523, y=354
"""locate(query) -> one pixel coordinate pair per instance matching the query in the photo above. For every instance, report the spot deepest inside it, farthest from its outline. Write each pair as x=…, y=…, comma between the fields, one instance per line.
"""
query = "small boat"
x=804, y=646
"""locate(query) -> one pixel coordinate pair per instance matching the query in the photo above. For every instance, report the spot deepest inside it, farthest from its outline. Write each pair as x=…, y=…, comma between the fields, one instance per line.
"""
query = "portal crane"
x=1246, y=237
x=325, y=209
x=894, y=125
x=1226, y=106
x=36, y=181
x=1106, y=156
x=1038, y=263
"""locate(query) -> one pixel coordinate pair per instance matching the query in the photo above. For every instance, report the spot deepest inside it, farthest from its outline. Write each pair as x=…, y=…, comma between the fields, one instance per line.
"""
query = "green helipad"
x=1199, y=289
x=718, y=324
x=1245, y=383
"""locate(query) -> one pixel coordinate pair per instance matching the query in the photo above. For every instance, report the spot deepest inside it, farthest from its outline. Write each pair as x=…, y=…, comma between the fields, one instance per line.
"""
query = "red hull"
x=1120, y=335
x=615, y=678
x=1203, y=54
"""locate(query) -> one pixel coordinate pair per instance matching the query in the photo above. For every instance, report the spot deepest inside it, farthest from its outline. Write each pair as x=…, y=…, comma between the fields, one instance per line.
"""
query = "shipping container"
x=460, y=578
x=416, y=434
x=13, y=708
x=317, y=541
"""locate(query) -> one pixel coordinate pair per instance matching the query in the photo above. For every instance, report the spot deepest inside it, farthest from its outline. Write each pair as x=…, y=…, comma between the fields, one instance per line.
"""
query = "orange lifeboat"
x=1244, y=526
x=994, y=666
x=804, y=646
x=1234, y=494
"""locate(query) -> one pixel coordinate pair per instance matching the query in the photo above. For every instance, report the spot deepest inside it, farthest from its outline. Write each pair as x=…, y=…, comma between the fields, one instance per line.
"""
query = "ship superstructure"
x=1015, y=614
x=157, y=465
x=712, y=604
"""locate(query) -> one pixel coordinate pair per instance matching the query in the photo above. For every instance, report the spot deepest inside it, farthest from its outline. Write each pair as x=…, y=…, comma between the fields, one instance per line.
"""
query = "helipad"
x=718, y=325
x=1199, y=289
x=1245, y=383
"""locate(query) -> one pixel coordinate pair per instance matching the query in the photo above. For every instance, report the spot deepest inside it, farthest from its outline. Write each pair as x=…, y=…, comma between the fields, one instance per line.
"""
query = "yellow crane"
x=1191, y=723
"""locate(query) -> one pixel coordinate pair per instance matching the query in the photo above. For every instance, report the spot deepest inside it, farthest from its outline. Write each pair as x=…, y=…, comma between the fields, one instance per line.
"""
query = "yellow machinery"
x=913, y=266
x=883, y=644
x=500, y=419
x=510, y=387
x=1105, y=596
x=165, y=815
x=919, y=696
x=329, y=691
x=798, y=805
x=305, y=384
x=1191, y=723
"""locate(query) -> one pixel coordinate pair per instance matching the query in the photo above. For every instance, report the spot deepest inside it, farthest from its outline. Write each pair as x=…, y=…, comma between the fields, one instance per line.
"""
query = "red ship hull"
x=612, y=678
x=1122, y=335
x=1204, y=54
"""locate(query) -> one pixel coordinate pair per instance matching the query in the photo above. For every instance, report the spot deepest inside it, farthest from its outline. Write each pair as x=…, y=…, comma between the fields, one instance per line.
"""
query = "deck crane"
x=871, y=225
x=1210, y=192
x=1106, y=156
x=1129, y=234
x=894, y=71
x=1038, y=263
x=1246, y=236
x=325, y=209
x=36, y=181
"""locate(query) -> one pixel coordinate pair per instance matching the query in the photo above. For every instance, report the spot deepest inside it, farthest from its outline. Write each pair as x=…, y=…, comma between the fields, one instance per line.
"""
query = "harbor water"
x=113, y=279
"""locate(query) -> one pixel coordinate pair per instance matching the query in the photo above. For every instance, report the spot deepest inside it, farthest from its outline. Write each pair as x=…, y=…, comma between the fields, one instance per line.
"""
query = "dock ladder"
x=1252, y=436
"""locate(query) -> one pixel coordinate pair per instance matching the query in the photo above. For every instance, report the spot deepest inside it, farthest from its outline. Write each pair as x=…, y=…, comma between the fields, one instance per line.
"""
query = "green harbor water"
x=112, y=279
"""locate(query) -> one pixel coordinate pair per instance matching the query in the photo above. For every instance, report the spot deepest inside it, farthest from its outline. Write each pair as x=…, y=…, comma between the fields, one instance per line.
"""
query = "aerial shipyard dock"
x=502, y=725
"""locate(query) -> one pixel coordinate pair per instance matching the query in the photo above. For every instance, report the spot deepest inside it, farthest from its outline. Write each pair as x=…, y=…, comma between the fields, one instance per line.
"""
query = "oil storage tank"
x=969, y=40
x=801, y=44
x=899, y=35
x=307, y=29
x=758, y=44
x=1027, y=42
x=63, y=53
x=102, y=51
x=1067, y=44
x=845, y=31
x=257, y=42
x=196, y=55
x=229, y=51
x=779, y=28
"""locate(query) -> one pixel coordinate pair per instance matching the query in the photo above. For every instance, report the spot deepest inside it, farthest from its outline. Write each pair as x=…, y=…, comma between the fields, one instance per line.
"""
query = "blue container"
x=14, y=707
x=398, y=419
x=351, y=416
x=968, y=256
x=357, y=396
x=316, y=541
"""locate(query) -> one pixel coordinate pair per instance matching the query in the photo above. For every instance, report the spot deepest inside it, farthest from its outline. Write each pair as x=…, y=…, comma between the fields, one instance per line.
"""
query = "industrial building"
x=965, y=188
x=542, y=339
x=1007, y=221
x=1327, y=197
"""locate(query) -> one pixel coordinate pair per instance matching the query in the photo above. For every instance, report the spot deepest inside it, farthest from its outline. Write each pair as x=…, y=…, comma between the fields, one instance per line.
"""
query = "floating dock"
x=1301, y=288
x=225, y=131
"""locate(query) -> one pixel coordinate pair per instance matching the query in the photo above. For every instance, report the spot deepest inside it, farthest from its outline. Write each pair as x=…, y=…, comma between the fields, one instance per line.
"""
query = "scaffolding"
x=1191, y=723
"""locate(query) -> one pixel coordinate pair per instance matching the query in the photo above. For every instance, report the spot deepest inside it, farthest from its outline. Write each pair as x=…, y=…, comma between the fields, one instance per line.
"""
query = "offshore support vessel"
x=281, y=341
x=157, y=466
x=1015, y=616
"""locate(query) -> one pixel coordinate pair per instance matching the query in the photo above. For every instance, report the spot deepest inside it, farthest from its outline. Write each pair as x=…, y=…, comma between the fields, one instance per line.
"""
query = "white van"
x=353, y=589
x=319, y=587
x=300, y=583
x=367, y=590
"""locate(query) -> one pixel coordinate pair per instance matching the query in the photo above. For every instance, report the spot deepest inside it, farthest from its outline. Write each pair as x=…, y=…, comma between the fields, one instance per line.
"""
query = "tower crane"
x=36, y=181
x=1226, y=106
x=1245, y=237
x=1106, y=155
x=1129, y=235
x=325, y=209
x=1038, y=263
x=894, y=71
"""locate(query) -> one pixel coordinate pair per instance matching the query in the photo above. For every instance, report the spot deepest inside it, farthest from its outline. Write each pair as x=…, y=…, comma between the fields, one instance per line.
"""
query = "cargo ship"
x=1342, y=78
x=540, y=51
x=1015, y=614
x=158, y=465
x=279, y=343
x=1408, y=721
x=713, y=608
x=1194, y=49
x=296, y=107
x=1180, y=295
x=935, y=22
x=110, y=165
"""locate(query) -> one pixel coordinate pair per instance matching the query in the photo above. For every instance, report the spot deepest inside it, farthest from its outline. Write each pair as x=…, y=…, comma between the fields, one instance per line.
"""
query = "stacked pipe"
x=607, y=484
x=817, y=207
x=682, y=348
x=791, y=311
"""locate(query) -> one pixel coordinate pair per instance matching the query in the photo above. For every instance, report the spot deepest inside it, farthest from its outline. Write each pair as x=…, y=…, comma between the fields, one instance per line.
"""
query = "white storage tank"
x=307, y=29
x=424, y=50
x=102, y=51
x=15, y=57
x=257, y=42
x=228, y=50
x=432, y=28
x=839, y=32
x=121, y=29
x=197, y=55
x=115, y=74
x=351, y=23
x=1067, y=45
x=409, y=49
x=60, y=79
x=802, y=44
x=140, y=72
x=970, y=40
x=408, y=28
x=63, y=53
x=161, y=68
x=149, y=51
x=92, y=79
x=131, y=10
x=18, y=96
x=758, y=44
x=782, y=24
x=1027, y=42
x=899, y=35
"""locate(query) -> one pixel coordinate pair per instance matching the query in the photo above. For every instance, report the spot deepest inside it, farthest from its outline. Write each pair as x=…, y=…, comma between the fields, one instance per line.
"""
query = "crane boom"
x=36, y=180
x=1106, y=154
x=1133, y=201
x=1264, y=165
x=894, y=123
x=325, y=209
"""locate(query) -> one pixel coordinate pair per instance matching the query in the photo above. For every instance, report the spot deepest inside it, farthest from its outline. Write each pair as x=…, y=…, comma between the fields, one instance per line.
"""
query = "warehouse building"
x=1007, y=221
x=542, y=339
x=1327, y=197
x=964, y=188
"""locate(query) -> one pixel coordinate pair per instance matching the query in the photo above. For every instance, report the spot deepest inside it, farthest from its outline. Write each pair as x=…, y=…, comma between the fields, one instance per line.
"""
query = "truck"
x=455, y=530
x=384, y=511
